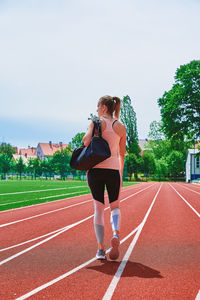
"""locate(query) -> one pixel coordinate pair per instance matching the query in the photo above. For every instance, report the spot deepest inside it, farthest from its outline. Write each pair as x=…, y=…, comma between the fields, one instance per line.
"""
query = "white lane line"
x=37, y=191
x=109, y=293
x=198, y=296
x=35, y=291
x=32, y=240
x=197, y=185
x=46, y=213
x=194, y=210
x=138, y=192
x=86, y=188
x=60, y=231
x=50, y=233
x=40, y=198
x=42, y=287
x=34, y=205
x=44, y=241
x=182, y=185
x=52, y=211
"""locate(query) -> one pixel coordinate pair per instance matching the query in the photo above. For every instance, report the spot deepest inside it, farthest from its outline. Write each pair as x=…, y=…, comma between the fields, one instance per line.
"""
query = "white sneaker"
x=101, y=254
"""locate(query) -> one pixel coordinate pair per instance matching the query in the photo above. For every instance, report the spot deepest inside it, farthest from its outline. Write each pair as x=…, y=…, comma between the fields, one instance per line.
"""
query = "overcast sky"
x=57, y=58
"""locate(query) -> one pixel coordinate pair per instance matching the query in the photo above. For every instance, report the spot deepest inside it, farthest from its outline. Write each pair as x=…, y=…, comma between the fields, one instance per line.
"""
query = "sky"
x=57, y=58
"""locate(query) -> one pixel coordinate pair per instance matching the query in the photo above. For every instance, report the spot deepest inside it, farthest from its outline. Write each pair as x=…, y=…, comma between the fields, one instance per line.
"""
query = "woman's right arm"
x=87, y=137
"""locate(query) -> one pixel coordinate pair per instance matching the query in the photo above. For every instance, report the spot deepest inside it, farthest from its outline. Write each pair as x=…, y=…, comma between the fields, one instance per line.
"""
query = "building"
x=25, y=158
x=192, y=165
x=48, y=149
x=27, y=152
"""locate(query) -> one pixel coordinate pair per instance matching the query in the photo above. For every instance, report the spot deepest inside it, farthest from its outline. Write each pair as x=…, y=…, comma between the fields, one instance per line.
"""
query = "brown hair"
x=112, y=103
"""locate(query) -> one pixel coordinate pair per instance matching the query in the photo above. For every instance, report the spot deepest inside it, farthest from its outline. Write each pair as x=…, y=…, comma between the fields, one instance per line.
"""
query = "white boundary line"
x=47, y=202
x=62, y=194
x=198, y=296
x=37, y=191
x=109, y=293
x=42, y=287
x=52, y=211
x=194, y=210
x=64, y=199
x=60, y=231
x=36, y=199
x=188, y=188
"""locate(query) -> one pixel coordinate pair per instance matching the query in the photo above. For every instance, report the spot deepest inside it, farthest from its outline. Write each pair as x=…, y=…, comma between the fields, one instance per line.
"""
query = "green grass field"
x=18, y=193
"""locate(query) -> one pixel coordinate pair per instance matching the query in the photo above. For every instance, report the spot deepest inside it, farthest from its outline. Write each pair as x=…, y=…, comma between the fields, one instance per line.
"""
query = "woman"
x=108, y=173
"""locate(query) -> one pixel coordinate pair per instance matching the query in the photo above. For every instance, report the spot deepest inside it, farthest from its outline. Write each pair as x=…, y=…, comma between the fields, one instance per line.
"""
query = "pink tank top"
x=113, y=140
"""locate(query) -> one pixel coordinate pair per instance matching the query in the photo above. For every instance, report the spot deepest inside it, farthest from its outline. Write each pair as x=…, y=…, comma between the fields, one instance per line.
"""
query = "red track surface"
x=160, y=260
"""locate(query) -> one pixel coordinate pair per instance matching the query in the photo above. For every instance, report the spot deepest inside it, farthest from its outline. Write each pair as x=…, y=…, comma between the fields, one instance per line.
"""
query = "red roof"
x=50, y=148
x=29, y=151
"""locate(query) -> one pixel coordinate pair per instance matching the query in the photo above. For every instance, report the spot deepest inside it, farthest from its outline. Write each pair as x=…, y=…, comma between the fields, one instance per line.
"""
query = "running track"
x=48, y=250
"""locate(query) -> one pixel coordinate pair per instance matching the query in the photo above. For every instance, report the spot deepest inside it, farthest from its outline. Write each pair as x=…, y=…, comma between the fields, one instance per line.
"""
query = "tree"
x=156, y=132
x=148, y=163
x=131, y=158
x=77, y=140
x=20, y=166
x=50, y=166
x=134, y=165
x=7, y=149
x=128, y=118
x=34, y=167
x=176, y=165
x=5, y=163
x=45, y=167
x=161, y=168
x=180, y=107
x=29, y=167
x=61, y=161
x=159, y=148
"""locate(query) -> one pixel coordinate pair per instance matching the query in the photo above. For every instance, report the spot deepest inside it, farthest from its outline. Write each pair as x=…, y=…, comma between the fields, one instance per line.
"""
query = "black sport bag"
x=85, y=158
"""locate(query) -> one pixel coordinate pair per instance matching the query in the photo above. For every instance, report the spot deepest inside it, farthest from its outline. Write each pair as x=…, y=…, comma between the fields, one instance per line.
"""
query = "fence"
x=76, y=175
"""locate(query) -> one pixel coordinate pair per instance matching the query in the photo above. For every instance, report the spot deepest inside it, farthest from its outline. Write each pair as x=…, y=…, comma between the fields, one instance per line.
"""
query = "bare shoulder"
x=119, y=128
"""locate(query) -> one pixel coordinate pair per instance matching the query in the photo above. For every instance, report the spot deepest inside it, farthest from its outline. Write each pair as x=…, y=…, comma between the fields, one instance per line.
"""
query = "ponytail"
x=117, y=106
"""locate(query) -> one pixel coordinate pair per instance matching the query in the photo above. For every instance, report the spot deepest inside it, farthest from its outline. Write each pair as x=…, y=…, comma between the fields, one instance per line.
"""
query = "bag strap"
x=97, y=126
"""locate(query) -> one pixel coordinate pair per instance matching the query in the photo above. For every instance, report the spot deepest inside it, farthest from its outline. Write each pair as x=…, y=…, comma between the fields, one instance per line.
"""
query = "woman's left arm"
x=87, y=137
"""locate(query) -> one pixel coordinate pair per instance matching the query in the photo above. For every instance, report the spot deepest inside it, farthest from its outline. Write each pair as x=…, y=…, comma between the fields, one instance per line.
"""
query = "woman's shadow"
x=132, y=269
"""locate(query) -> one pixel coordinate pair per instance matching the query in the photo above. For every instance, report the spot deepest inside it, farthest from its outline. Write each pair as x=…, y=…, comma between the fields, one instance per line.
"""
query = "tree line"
x=179, y=129
x=48, y=167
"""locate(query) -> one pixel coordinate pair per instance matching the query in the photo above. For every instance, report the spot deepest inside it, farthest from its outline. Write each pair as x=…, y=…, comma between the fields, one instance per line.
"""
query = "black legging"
x=99, y=178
